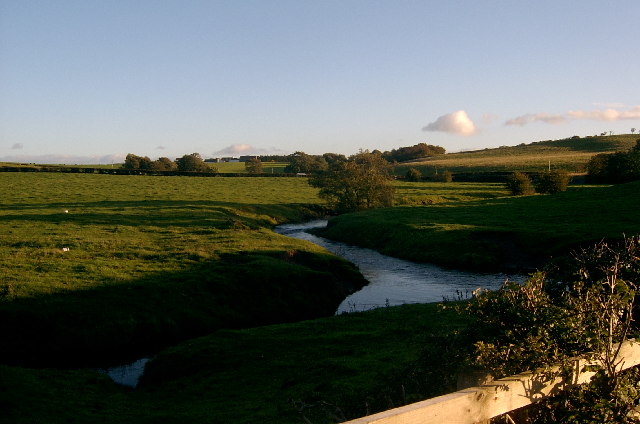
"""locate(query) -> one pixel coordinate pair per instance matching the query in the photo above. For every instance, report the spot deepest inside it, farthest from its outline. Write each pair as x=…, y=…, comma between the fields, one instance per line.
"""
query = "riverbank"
x=507, y=233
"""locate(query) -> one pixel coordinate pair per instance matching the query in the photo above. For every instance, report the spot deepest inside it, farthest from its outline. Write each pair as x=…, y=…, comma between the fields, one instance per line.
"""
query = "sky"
x=88, y=81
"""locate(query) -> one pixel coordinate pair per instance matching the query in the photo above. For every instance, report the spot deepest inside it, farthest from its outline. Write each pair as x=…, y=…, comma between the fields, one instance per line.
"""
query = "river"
x=394, y=281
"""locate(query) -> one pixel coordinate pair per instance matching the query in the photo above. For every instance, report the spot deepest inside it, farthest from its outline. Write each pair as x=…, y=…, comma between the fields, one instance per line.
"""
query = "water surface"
x=394, y=281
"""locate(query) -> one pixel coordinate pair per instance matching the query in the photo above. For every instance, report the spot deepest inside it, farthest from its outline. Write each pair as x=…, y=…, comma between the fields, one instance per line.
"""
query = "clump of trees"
x=362, y=181
x=520, y=184
x=617, y=167
x=187, y=163
x=418, y=151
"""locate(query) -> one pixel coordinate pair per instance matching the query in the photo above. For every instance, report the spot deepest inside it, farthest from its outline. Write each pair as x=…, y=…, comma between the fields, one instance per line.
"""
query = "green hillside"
x=571, y=155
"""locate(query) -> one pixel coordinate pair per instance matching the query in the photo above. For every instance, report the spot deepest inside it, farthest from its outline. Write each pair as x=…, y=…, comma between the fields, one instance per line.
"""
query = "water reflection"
x=127, y=375
x=395, y=281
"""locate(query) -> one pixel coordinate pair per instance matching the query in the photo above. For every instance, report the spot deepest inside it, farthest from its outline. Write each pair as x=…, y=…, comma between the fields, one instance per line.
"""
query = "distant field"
x=239, y=167
x=570, y=155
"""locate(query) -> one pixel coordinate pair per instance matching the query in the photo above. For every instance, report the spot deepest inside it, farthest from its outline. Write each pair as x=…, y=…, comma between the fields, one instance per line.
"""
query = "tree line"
x=187, y=163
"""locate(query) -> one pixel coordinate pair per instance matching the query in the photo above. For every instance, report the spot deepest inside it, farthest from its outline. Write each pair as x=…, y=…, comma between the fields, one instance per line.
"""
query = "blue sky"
x=89, y=81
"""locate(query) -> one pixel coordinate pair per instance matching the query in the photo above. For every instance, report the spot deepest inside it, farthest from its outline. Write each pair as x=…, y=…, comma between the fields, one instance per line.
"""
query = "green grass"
x=570, y=155
x=351, y=361
x=428, y=193
x=151, y=261
x=520, y=232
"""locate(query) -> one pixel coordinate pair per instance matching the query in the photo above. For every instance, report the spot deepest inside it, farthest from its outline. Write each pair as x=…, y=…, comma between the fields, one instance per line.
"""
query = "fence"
x=478, y=404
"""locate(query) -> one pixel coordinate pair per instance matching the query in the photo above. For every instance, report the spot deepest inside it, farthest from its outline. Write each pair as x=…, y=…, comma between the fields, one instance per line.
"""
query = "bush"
x=552, y=182
x=519, y=184
x=444, y=177
x=413, y=175
x=584, y=310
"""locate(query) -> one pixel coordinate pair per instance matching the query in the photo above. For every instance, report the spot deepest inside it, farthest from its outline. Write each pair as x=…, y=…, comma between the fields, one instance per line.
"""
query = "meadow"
x=496, y=233
x=102, y=268
x=239, y=167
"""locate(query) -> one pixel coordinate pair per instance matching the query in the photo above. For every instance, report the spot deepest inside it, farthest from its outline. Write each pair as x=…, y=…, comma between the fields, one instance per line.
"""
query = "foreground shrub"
x=551, y=319
x=552, y=182
x=519, y=184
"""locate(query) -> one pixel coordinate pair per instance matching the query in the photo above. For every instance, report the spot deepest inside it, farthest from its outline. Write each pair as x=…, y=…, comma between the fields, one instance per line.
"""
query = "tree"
x=633, y=130
x=193, y=163
x=300, y=162
x=253, y=166
x=164, y=164
x=334, y=157
x=137, y=162
x=361, y=182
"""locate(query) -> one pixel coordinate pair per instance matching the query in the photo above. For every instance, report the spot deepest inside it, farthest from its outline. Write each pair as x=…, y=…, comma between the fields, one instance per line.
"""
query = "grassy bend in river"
x=495, y=234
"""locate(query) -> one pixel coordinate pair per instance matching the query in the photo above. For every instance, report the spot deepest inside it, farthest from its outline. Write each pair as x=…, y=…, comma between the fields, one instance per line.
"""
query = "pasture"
x=495, y=233
x=97, y=266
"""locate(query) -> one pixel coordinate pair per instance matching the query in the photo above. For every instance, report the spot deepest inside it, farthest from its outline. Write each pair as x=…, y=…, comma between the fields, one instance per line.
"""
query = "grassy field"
x=503, y=232
x=239, y=167
x=255, y=375
x=570, y=155
x=97, y=266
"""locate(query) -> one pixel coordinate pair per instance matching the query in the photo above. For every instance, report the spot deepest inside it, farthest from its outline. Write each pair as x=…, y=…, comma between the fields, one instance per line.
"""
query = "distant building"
x=247, y=158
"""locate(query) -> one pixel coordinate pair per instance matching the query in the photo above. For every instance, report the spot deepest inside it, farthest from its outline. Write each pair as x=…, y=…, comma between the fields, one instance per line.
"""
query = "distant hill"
x=570, y=154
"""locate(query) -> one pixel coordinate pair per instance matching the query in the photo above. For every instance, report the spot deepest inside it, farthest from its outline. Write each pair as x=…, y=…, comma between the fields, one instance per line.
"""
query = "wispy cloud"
x=537, y=117
x=454, y=123
x=64, y=159
x=247, y=149
x=608, y=114
x=17, y=146
x=160, y=148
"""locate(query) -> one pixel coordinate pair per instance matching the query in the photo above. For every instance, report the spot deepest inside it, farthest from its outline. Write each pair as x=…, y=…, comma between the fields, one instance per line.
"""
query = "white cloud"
x=455, y=123
x=537, y=117
x=606, y=114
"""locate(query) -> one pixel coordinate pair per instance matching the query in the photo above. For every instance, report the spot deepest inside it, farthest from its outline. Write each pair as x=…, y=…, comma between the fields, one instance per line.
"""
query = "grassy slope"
x=494, y=233
x=151, y=261
x=252, y=375
x=571, y=155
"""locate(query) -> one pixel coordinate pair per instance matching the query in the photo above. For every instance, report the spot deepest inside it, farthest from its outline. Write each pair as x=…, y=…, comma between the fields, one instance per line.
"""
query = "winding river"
x=392, y=282
x=395, y=281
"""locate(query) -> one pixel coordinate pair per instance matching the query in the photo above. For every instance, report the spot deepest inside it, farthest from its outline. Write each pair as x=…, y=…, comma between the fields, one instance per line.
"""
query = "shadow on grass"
x=221, y=215
x=117, y=322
